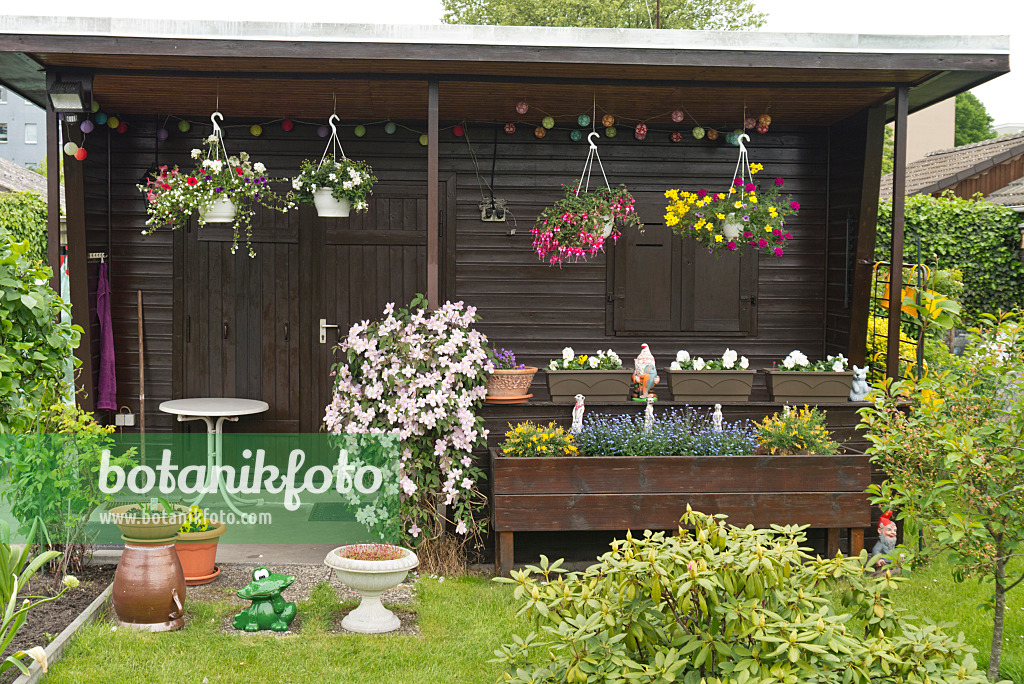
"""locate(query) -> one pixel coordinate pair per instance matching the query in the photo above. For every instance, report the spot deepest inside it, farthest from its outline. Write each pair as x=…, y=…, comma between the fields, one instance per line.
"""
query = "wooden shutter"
x=647, y=281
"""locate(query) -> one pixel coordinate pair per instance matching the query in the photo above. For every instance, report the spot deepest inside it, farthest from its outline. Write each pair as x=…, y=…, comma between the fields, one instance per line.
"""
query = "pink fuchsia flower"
x=415, y=530
x=778, y=251
x=779, y=182
x=461, y=528
x=795, y=206
x=749, y=187
x=738, y=182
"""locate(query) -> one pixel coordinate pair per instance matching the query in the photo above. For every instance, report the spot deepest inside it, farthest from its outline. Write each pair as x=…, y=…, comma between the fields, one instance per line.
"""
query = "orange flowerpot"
x=197, y=552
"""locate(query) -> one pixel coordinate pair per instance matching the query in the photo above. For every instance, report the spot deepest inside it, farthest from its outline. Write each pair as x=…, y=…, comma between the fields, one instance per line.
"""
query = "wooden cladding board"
x=364, y=261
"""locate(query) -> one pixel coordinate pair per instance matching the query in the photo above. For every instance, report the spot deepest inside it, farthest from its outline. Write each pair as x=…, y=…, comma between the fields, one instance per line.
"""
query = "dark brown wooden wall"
x=525, y=305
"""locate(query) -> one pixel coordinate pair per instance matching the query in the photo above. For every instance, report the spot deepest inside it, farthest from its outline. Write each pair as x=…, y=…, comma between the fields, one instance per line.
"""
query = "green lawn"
x=462, y=621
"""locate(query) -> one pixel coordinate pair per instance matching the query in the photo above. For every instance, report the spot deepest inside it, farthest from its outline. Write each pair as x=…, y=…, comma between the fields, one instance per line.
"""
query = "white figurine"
x=718, y=417
x=649, y=414
x=860, y=384
x=577, y=415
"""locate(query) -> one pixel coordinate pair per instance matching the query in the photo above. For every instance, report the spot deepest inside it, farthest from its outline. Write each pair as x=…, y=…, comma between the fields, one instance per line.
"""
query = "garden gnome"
x=577, y=415
x=886, y=539
x=645, y=374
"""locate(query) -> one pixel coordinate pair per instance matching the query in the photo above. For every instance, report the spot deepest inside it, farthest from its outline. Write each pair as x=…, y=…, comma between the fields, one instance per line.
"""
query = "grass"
x=932, y=593
x=462, y=621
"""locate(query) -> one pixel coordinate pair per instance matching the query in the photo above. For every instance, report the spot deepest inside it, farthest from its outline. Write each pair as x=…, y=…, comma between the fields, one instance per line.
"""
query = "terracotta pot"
x=510, y=386
x=595, y=385
x=150, y=527
x=809, y=386
x=197, y=553
x=149, y=588
x=710, y=386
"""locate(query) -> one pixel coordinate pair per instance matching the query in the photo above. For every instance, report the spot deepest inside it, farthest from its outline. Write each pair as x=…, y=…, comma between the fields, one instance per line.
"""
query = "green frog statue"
x=268, y=609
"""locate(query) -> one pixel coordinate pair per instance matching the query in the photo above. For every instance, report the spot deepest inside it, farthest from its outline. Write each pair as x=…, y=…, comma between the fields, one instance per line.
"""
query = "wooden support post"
x=899, y=187
x=53, y=196
x=856, y=540
x=433, y=200
x=78, y=255
x=832, y=542
x=504, y=554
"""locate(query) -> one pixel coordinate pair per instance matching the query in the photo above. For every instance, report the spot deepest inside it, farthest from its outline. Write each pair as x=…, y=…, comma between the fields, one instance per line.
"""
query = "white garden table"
x=214, y=411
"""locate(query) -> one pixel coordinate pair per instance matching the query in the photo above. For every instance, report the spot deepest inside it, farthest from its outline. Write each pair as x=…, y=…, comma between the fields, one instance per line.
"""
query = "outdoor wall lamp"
x=70, y=97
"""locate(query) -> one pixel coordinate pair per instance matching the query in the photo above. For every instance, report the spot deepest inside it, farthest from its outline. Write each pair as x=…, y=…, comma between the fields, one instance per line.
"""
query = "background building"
x=22, y=129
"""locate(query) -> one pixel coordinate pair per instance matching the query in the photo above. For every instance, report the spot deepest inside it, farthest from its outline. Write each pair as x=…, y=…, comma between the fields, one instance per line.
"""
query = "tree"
x=973, y=124
x=720, y=15
x=888, y=150
x=954, y=459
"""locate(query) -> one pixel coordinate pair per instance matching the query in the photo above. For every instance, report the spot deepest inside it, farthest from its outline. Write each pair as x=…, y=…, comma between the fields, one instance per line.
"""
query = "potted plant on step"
x=154, y=520
x=578, y=225
x=196, y=546
x=696, y=380
x=371, y=569
x=800, y=380
x=598, y=377
x=509, y=382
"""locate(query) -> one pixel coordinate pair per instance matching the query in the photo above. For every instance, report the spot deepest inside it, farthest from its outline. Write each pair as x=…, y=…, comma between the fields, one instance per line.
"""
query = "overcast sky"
x=1003, y=97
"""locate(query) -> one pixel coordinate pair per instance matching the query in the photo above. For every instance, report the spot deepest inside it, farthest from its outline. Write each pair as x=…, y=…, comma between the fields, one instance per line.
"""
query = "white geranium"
x=698, y=364
x=196, y=153
x=568, y=354
x=729, y=358
x=259, y=167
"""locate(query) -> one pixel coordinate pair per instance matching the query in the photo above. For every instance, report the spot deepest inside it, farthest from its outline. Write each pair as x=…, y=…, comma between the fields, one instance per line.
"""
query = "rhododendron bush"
x=421, y=375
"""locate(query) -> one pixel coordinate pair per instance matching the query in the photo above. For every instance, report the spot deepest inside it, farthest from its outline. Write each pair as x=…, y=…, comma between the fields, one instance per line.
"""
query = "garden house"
x=464, y=170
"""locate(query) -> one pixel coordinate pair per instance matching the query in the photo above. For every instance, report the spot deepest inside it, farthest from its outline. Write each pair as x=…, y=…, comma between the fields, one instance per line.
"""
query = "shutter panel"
x=646, y=293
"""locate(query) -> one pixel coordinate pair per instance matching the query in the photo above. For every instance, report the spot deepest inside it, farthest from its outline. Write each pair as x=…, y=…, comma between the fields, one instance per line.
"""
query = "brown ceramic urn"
x=149, y=588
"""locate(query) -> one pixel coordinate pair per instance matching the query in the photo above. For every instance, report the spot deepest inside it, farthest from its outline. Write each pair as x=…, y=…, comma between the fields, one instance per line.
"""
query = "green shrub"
x=978, y=237
x=23, y=218
x=720, y=604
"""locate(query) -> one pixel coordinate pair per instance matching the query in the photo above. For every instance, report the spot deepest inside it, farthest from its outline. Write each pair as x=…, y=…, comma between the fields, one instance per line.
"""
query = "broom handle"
x=142, y=380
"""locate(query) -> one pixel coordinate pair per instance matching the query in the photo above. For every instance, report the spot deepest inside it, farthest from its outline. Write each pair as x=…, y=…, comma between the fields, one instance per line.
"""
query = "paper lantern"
x=548, y=122
x=522, y=107
x=749, y=122
x=113, y=122
x=321, y=131
x=359, y=131
x=640, y=132
x=575, y=135
x=81, y=154
x=510, y=128
x=712, y=134
x=764, y=120
x=162, y=134
x=101, y=118
x=583, y=119
x=607, y=120
x=698, y=132
x=287, y=125
x=121, y=127
x=390, y=127
x=87, y=126
x=678, y=115
x=184, y=126
x=676, y=136
x=70, y=148
x=762, y=129
x=458, y=131
x=611, y=132
x=539, y=131
x=95, y=106
x=732, y=138
x=424, y=140
x=256, y=130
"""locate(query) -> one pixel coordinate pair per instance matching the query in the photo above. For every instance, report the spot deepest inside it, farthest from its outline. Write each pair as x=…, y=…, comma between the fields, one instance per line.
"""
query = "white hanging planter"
x=609, y=225
x=329, y=207
x=221, y=210
x=731, y=227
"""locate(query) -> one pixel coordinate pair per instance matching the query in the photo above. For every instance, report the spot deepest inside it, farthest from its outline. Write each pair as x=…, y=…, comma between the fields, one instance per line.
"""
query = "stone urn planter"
x=595, y=385
x=329, y=207
x=510, y=386
x=140, y=525
x=219, y=211
x=371, y=578
x=197, y=552
x=710, y=386
x=809, y=386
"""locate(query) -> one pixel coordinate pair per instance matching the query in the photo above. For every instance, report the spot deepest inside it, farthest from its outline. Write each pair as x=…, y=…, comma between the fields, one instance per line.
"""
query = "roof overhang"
x=257, y=68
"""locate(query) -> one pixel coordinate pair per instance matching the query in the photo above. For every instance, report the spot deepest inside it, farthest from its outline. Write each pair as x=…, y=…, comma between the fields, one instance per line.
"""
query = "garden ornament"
x=860, y=384
x=649, y=415
x=577, y=415
x=717, y=417
x=268, y=609
x=645, y=375
x=886, y=539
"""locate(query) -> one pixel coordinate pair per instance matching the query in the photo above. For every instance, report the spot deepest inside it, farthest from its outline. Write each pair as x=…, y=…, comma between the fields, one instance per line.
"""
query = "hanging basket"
x=329, y=207
x=219, y=211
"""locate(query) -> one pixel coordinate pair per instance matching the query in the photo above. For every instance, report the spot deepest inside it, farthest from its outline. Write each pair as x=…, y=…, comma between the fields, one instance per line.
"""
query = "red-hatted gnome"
x=886, y=543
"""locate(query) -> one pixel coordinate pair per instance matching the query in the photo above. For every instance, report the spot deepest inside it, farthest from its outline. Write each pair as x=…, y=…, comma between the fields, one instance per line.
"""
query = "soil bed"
x=45, y=622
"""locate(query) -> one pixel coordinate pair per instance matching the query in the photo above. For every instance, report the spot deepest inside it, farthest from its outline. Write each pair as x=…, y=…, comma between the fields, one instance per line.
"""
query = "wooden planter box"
x=581, y=493
x=595, y=385
x=710, y=386
x=809, y=386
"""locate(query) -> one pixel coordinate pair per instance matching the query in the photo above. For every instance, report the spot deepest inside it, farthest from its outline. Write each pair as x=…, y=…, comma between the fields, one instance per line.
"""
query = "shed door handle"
x=286, y=331
x=225, y=330
x=324, y=325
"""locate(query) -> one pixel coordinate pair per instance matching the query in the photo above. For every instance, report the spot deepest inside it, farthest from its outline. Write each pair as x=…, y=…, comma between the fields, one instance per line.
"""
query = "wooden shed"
x=218, y=324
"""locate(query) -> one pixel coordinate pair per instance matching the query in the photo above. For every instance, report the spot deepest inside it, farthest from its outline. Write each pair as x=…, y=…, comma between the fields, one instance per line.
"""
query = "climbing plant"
x=978, y=237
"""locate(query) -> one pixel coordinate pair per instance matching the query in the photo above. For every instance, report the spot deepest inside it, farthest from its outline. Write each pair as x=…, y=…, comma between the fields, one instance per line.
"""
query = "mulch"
x=48, y=620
